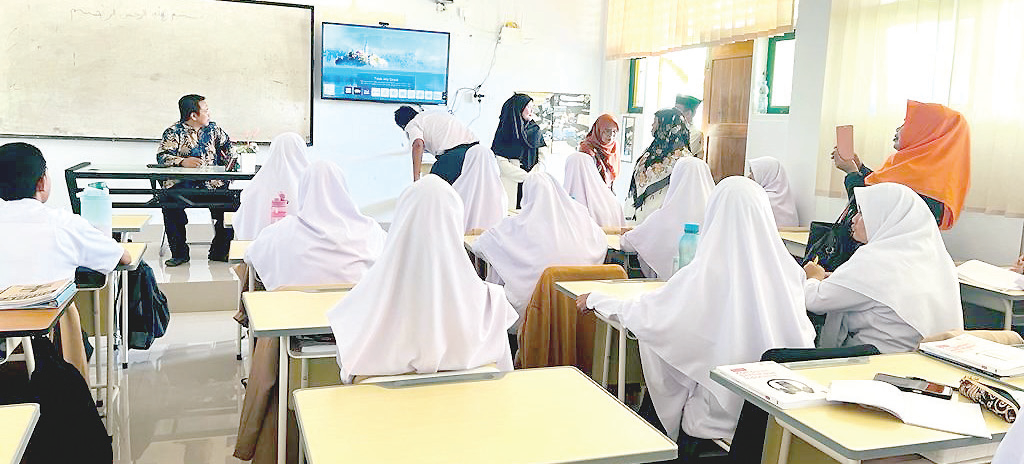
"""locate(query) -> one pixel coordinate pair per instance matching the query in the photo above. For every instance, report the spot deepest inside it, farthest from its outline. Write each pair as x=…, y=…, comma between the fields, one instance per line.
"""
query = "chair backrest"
x=553, y=333
x=748, y=441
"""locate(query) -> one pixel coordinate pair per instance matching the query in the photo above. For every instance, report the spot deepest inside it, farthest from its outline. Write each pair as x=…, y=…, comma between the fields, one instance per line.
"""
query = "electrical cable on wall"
x=476, y=89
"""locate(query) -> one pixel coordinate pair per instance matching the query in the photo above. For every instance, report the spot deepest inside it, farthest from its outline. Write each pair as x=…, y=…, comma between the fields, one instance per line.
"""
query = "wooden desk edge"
x=136, y=257
x=26, y=434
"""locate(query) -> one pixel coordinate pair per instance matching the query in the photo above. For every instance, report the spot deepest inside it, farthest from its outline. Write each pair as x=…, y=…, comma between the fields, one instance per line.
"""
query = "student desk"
x=796, y=239
x=999, y=300
x=23, y=324
x=236, y=252
x=125, y=224
x=850, y=433
x=229, y=220
x=136, y=250
x=18, y=421
x=285, y=314
x=545, y=415
x=627, y=288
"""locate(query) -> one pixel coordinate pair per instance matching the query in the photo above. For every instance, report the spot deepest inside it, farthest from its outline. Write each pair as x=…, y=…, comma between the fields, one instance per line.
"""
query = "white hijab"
x=769, y=172
x=422, y=308
x=740, y=296
x=552, y=230
x=904, y=265
x=656, y=239
x=284, y=167
x=584, y=183
x=1011, y=449
x=479, y=186
x=327, y=241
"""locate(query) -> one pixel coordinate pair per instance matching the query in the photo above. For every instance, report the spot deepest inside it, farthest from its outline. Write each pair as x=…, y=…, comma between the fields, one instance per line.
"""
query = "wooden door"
x=726, y=106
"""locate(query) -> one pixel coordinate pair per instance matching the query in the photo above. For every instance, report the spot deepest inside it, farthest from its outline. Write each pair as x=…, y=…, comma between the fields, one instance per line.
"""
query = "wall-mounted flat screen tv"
x=384, y=64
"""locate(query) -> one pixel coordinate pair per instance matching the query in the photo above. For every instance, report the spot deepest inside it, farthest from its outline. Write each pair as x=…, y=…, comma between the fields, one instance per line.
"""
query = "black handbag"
x=832, y=243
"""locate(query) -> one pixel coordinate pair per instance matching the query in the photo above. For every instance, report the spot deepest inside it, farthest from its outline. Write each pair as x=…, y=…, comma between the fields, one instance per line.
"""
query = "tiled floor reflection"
x=183, y=395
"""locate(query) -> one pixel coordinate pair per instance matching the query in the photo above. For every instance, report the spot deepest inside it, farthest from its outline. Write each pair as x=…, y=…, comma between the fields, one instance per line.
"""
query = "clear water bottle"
x=762, y=95
x=97, y=207
x=278, y=207
x=687, y=244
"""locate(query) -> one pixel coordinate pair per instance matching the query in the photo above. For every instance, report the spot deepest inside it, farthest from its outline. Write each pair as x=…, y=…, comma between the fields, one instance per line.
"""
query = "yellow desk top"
x=136, y=249
x=236, y=252
x=618, y=288
x=859, y=433
x=613, y=241
x=286, y=313
x=975, y=286
x=129, y=222
x=229, y=219
x=796, y=236
x=527, y=416
x=18, y=421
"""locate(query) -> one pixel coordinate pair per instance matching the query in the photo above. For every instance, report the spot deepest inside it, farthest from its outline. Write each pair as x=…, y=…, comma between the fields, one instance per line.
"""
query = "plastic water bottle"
x=762, y=95
x=97, y=207
x=278, y=207
x=688, y=244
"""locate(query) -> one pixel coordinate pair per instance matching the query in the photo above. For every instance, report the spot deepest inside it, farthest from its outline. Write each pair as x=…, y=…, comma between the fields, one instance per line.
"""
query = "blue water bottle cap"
x=691, y=228
x=98, y=185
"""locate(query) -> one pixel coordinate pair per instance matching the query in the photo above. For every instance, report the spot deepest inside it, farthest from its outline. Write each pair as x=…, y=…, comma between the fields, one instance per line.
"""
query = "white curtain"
x=651, y=27
x=965, y=54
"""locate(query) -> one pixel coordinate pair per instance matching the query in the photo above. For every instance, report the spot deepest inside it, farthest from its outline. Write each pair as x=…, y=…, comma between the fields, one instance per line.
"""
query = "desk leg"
x=622, y=365
x=607, y=355
x=1007, y=314
x=30, y=356
x=109, y=391
x=787, y=438
x=282, y=402
x=123, y=277
x=96, y=350
x=303, y=383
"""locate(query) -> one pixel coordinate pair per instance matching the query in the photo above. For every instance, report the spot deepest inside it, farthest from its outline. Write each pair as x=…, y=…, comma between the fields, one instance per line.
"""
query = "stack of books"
x=48, y=295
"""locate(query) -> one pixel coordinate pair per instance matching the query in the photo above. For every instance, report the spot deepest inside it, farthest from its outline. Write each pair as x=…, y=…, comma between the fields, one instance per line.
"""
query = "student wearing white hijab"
x=281, y=174
x=739, y=297
x=584, y=184
x=551, y=230
x=1011, y=449
x=422, y=308
x=900, y=286
x=327, y=241
x=656, y=240
x=479, y=186
x=769, y=172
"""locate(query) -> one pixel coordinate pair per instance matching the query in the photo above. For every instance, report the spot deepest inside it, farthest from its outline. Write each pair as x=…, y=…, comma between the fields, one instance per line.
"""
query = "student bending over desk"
x=656, y=240
x=279, y=175
x=421, y=308
x=40, y=244
x=739, y=297
x=552, y=230
x=900, y=286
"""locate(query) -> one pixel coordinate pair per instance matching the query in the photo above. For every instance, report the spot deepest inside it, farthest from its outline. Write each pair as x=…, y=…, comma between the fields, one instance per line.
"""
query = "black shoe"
x=221, y=258
x=175, y=262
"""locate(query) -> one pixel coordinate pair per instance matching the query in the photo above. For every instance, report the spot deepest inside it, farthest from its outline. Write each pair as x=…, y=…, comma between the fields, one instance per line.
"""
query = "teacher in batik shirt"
x=194, y=142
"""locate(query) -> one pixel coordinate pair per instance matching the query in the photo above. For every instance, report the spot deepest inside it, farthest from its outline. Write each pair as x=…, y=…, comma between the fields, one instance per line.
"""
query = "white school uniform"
x=552, y=230
x=327, y=241
x=739, y=297
x=1011, y=449
x=422, y=308
x=40, y=244
x=479, y=186
x=896, y=289
x=439, y=131
x=280, y=174
x=656, y=240
x=584, y=184
x=769, y=172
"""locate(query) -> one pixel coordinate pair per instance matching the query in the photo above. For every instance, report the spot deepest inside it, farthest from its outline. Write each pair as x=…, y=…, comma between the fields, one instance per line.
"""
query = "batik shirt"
x=209, y=143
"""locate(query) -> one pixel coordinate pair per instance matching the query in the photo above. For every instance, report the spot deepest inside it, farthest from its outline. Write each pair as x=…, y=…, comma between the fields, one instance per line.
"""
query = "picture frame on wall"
x=628, y=138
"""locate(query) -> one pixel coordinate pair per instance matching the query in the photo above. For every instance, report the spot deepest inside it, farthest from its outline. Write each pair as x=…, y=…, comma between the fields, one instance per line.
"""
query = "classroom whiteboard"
x=115, y=69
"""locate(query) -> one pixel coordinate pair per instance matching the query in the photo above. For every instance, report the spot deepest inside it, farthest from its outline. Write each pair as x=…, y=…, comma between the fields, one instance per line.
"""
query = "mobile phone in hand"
x=916, y=385
x=844, y=142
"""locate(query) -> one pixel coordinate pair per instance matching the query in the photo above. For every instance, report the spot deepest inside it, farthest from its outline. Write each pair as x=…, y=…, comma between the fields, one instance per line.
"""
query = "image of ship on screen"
x=384, y=64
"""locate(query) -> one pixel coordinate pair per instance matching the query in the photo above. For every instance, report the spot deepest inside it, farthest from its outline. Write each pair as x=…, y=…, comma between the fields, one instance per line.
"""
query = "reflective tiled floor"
x=184, y=395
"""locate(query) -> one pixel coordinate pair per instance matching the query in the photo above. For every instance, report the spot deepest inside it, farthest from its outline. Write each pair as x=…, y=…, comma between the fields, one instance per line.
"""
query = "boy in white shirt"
x=439, y=134
x=40, y=244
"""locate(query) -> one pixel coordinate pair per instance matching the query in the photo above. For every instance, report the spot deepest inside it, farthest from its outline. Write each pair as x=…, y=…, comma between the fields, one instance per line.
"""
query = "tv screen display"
x=384, y=64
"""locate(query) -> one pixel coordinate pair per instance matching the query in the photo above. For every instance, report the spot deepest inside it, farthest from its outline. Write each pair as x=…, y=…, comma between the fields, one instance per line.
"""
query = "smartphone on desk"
x=917, y=385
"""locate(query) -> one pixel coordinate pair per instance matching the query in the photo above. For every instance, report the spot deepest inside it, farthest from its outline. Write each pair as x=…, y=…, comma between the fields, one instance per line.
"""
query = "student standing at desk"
x=422, y=308
x=740, y=296
x=194, y=141
x=40, y=244
x=900, y=286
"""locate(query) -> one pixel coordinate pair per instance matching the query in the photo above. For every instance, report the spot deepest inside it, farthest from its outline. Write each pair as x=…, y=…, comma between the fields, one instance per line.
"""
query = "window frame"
x=769, y=71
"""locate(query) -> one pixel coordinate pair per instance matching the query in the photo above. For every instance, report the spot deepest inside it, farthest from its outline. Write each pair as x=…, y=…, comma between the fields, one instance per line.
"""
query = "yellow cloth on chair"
x=553, y=332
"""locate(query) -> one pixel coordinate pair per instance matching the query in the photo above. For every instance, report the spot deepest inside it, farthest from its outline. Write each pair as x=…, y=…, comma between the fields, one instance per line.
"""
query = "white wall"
x=559, y=48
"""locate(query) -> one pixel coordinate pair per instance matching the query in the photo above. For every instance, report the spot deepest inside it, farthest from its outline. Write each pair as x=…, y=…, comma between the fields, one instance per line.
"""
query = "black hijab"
x=517, y=138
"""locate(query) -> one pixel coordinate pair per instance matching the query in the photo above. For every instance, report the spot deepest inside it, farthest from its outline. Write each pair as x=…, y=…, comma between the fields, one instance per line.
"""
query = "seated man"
x=193, y=142
x=40, y=244
x=440, y=134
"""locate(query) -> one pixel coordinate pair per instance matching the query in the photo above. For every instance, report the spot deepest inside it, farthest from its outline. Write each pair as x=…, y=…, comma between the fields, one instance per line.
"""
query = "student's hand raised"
x=581, y=303
x=846, y=166
x=815, y=271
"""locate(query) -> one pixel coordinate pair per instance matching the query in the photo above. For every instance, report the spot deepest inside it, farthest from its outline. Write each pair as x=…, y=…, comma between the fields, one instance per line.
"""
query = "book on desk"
x=776, y=384
x=978, y=354
x=48, y=295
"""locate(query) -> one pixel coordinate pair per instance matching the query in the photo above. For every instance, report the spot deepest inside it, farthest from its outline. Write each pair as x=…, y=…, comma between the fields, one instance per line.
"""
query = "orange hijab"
x=606, y=154
x=935, y=159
